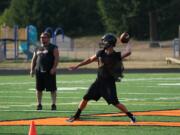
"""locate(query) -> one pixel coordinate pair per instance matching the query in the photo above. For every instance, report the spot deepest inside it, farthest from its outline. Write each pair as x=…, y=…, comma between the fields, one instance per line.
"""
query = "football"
x=124, y=37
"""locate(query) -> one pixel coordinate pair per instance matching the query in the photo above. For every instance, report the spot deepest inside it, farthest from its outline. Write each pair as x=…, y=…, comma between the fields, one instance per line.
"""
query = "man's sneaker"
x=39, y=107
x=53, y=107
x=73, y=118
x=133, y=119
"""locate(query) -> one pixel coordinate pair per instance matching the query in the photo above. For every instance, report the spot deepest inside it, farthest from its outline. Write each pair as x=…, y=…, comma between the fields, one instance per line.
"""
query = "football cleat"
x=53, y=107
x=133, y=119
x=39, y=107
x=72, y=119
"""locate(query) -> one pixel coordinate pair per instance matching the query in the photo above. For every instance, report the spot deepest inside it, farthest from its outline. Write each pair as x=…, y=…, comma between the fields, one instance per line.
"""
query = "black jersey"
x=110, y=65
x=45, y=57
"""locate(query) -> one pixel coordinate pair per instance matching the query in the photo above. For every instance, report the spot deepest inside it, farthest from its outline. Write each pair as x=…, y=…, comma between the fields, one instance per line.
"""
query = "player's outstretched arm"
x=85, y=62
x=127, y=51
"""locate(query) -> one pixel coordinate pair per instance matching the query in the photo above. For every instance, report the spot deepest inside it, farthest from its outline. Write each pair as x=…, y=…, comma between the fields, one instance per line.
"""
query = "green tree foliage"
x=76, y=17
x=4, y=4
x=169, y=20
x=133, y=16
x=115, y=13
x=18, y=13
x=82, y=17
x=141, y=21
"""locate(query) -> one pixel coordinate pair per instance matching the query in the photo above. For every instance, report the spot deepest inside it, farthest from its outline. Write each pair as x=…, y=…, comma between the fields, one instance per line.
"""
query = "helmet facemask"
x=108, y=40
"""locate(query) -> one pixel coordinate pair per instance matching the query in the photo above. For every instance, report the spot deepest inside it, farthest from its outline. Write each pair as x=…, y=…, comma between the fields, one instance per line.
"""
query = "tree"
x=115, y=14
x=79, y=17
x=74, y=16
x=4, y=4
x=135, y=15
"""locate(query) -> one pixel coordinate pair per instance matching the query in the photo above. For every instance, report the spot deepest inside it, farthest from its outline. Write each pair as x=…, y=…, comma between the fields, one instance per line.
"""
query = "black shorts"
x=45, y=81
x=103, y=88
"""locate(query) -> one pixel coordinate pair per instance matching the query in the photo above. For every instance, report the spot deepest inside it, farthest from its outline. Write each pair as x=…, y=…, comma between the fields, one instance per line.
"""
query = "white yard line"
x=150, y=79
x=32, y=97
x=88, y=81
x=16, y=83
x=49, y=111
x=33, y=91
x=169, y=84
x=61, y=82
x=67, y=88
x=143, y=93
x=134, y=93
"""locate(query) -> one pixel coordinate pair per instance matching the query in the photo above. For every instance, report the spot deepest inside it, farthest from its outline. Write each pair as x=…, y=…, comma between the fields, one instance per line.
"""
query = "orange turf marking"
x=149, y=113
x=62, y=121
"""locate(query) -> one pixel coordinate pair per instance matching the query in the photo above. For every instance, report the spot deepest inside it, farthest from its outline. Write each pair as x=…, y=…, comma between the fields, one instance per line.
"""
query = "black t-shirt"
x=45, y=57
x=110, y=65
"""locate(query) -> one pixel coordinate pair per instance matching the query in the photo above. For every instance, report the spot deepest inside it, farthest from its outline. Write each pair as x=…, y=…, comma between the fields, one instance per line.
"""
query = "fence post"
x=15, y=41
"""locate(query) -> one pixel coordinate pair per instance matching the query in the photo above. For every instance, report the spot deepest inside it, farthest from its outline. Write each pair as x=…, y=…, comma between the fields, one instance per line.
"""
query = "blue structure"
x=49, y=30
x=54, y=34
x=31, y=40
x=24, y=45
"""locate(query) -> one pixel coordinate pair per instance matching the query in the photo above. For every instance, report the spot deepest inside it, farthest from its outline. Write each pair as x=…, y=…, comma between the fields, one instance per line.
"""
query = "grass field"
x=139, y=92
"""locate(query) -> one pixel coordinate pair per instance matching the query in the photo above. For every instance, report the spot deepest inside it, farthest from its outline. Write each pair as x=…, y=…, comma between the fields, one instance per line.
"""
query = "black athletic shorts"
x=102, y=88
x=45, y=81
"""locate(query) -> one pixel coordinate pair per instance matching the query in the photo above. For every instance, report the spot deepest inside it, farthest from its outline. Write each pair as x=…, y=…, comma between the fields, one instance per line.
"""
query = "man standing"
x=43, y=65
x=110, y=68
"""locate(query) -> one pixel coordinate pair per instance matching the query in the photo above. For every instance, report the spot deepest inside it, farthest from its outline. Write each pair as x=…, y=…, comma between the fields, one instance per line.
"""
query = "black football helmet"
x=108, y=40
